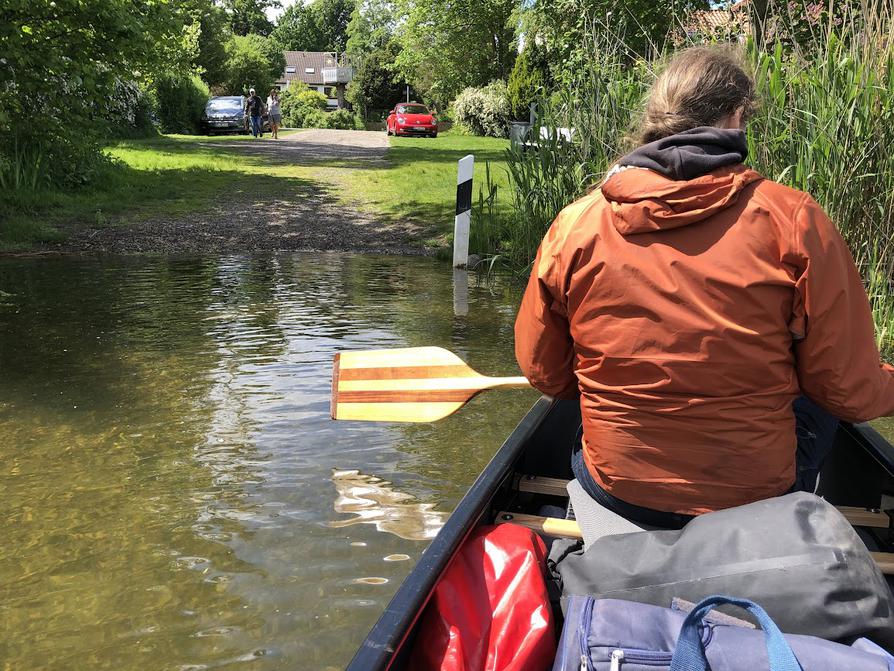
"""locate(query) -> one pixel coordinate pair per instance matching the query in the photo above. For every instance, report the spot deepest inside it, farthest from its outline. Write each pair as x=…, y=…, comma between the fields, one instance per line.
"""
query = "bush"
x=299, y=105
x=483, y=111
x=180, y=103
x=315, y=119
x=344, y=120
x=131, y=111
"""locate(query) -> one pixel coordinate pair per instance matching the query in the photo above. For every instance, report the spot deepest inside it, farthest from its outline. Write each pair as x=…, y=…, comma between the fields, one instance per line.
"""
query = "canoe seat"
x=558, y=528
x=858, y=517
x=596, y=521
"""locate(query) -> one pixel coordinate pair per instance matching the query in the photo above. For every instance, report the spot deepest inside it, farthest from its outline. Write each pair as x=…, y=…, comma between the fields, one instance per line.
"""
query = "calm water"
x=174, y=493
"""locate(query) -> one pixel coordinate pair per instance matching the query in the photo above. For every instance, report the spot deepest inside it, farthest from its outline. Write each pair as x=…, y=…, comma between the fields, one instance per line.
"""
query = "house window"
x=290, y=69
x=308, y=71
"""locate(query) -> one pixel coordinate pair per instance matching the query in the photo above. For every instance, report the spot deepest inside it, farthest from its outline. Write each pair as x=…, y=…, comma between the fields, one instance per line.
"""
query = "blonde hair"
x=699, y=86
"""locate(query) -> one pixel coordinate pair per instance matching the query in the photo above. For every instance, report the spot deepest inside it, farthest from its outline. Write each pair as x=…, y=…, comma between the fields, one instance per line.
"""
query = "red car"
x=411, y=119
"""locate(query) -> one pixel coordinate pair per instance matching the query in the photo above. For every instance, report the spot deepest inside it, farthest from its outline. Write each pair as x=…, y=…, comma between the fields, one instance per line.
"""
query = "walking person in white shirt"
x=273, y=111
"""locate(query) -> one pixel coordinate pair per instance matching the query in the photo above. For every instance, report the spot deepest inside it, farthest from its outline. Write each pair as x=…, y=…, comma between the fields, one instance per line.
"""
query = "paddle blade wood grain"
x=417, y=384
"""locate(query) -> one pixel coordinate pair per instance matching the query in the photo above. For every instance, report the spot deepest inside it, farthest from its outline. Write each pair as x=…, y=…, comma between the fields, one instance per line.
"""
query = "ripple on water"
x=370, y=581
x=374, y=501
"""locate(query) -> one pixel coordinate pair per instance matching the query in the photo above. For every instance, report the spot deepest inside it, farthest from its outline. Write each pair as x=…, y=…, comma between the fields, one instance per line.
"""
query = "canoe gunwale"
x=384, y=641
x=873, y=442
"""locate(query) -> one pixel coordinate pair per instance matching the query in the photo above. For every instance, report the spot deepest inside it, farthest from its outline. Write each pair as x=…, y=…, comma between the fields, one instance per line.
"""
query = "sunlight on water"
x=372, y=501
x=168, y=455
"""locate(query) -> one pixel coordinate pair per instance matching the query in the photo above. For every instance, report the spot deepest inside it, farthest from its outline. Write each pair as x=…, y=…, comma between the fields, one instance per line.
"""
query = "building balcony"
x=337, y=75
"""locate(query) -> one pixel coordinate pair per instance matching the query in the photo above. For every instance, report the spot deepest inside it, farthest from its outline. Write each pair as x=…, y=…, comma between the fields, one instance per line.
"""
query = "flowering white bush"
x=483, y=111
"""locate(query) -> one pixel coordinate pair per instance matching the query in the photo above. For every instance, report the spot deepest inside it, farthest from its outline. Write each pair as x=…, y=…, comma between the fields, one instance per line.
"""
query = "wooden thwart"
x=416, y=384
x=858, y=517
x=559, y=528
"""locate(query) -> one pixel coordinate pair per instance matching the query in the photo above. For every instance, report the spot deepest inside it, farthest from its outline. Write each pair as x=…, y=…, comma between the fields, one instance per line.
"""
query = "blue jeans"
x=256, y=126
x=815, y=430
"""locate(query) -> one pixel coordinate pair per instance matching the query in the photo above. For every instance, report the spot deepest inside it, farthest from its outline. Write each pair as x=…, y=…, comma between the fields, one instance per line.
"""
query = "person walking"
x=711, y=321
x=255, y=111
x=274, y=113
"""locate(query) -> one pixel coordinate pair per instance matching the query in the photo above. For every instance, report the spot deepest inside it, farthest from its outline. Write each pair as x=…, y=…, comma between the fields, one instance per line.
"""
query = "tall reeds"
x=825, y=126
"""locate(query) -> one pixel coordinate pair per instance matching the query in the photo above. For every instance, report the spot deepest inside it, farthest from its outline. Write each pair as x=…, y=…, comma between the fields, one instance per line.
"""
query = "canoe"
x=530, y=469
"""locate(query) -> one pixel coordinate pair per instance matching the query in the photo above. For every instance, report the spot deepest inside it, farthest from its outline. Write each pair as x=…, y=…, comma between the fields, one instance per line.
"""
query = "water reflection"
x=167, y=453
x=373, y=501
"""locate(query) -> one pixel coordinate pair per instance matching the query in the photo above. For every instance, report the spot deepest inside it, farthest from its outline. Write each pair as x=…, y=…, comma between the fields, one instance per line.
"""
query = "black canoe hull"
x=859, y=471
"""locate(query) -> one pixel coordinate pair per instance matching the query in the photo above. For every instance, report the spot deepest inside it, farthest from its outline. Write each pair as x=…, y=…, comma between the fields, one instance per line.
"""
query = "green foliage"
x=302, y=108
x=562, y=29
x=374, y=88
x=321, y=25
x=180, y=103
x=371, y=27
x=131, y=111
x=211, y=56
x=314, y=119
x=247, y=17
x=296, y=30
x=526, y=84
x=449, y=46
x=344, y=119
x=483, y=111
x=252, y=61
x=62, y=64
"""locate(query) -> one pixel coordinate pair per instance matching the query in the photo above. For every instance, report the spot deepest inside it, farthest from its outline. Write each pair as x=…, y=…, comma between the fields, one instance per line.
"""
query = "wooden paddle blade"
x=418, y=384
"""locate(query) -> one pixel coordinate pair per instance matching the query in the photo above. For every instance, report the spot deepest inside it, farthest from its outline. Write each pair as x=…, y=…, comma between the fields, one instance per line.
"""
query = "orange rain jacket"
x=689, y=315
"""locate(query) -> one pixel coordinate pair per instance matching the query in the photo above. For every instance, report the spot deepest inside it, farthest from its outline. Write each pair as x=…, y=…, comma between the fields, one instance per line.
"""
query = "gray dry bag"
x=796, y=555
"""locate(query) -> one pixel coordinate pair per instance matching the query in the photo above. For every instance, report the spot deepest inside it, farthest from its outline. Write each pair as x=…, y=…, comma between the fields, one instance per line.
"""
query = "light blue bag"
x=613, y=635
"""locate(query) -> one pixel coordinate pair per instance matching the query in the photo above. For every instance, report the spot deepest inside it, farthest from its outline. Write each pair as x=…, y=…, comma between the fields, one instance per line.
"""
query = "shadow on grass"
x=268, y=152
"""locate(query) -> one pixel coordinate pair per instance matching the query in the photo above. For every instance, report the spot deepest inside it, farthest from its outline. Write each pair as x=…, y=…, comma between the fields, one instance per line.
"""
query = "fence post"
x=463, y=220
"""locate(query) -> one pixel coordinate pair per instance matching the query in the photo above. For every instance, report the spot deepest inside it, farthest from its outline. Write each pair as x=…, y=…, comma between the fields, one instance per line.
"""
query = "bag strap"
x=689, y=654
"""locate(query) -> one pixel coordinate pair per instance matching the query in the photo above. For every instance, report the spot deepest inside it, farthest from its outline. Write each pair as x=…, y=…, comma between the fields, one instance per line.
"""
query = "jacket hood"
x=678, y=180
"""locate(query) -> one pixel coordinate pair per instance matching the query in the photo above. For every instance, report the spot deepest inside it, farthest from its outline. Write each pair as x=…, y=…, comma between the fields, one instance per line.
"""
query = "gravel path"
x=305, y=218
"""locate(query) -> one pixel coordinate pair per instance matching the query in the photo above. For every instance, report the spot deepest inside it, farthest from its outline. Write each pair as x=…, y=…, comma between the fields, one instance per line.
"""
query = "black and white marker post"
x=461, y=225
x=463, y=211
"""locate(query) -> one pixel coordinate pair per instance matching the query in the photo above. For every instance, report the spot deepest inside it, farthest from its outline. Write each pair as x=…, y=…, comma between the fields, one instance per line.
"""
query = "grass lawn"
x=175, y=175
x=419, y=181
x=149, y=178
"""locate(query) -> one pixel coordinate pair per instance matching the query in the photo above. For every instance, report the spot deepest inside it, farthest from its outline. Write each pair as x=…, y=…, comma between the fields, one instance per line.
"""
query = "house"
x=730, y=24
x=322, y=71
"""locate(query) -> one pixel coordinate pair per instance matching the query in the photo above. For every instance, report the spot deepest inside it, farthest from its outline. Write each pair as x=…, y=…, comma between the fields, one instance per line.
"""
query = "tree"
x=248, y=16
x=371, y=27
x=559, y=27
x=320, y=26
x=63, y=61
x=332, y=18
x=375, y=87
x=296, y=30
x=526, y=83
x=448, y=46
x=252, y=62
x=211, y=59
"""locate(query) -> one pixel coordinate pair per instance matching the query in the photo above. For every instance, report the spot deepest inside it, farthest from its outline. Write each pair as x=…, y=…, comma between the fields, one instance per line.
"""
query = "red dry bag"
x=490, y=610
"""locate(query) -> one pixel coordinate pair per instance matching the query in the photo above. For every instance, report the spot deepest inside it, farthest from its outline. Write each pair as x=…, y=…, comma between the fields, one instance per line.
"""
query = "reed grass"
x=825, y=126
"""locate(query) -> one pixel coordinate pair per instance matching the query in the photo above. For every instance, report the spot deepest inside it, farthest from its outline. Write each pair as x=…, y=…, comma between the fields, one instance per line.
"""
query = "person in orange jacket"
x=712, y=321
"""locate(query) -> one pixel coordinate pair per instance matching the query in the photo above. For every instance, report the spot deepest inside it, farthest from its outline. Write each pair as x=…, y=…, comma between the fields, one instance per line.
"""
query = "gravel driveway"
x=305, y=217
